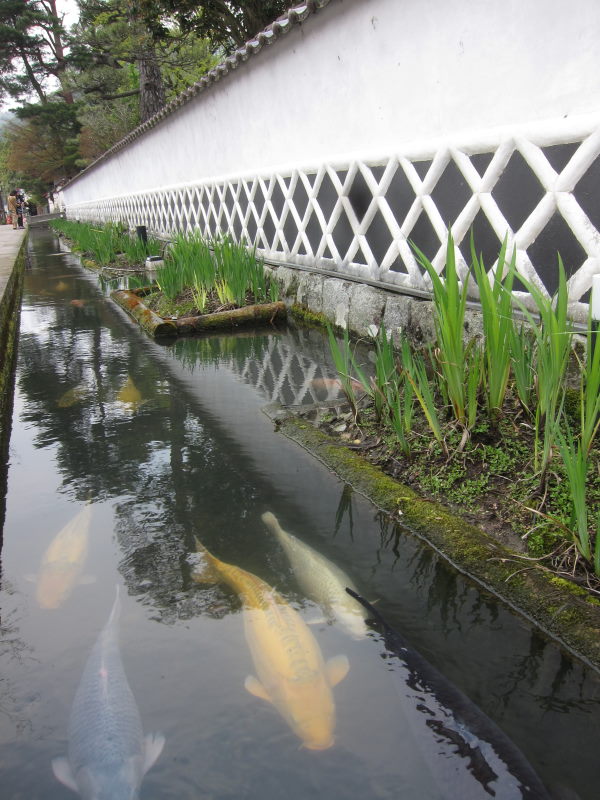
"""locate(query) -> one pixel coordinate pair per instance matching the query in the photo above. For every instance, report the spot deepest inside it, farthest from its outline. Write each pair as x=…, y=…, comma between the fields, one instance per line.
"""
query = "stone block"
x=473, y=325
x=287, y=279
x=421, y=328
x=336, y=301
x=367, y=305
x=310, y=291
x=396, y=317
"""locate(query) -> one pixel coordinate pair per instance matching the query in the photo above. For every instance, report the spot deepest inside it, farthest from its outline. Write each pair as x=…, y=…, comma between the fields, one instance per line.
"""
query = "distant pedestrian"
x=13, y=207
x=20, y=208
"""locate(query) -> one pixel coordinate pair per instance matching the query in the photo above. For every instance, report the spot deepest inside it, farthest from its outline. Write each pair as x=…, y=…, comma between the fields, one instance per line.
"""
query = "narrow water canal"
x=149, y=447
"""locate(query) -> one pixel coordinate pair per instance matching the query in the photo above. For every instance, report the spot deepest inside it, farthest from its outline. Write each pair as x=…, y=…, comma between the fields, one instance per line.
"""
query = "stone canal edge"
x=12, y=267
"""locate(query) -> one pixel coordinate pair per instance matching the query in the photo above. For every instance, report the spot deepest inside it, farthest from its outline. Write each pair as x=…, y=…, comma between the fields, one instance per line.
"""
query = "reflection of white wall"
x=366, y=76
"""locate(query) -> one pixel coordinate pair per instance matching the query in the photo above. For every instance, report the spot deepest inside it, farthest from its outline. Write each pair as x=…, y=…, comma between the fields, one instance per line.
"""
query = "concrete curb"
x=12, y=263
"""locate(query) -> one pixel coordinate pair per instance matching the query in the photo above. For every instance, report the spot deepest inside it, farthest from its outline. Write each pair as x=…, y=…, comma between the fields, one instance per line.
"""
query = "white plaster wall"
x=364, y=76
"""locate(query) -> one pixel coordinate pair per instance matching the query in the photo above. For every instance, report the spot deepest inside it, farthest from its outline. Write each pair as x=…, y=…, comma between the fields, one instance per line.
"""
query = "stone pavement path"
x=10, y=244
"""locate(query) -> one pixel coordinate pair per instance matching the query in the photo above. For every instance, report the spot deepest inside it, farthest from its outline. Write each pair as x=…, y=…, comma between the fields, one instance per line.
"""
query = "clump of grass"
x=168, y=278
x=450, y=354
x=104, y=243
x=219, y=266
x=498, y=326
x=344, y=363
x=553, y=337
x=416, y=373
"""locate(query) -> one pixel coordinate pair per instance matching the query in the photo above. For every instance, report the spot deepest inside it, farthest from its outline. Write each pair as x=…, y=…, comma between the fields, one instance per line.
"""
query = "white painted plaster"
x=361, y=76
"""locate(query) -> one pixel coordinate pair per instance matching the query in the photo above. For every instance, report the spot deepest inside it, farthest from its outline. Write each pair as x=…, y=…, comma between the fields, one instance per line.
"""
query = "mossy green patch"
x=307, y=317
x=165, y=307
x=568, y=585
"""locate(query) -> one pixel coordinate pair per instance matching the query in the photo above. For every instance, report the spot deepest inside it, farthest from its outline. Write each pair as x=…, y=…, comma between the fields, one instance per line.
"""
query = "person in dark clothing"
x=20, y=209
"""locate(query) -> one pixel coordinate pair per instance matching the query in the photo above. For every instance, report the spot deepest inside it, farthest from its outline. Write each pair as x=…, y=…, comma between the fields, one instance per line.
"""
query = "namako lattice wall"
x=341, y=137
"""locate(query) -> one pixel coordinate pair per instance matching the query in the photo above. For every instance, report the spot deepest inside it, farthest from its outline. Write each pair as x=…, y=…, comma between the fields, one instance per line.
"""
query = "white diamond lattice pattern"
x=359, y=218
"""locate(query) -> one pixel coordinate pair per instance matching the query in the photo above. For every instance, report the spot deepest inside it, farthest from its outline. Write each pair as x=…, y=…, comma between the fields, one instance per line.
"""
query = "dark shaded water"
x=168, y=443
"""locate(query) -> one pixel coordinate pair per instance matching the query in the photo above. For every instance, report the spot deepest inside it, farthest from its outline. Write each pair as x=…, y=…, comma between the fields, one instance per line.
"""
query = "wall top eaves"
x=282, y=25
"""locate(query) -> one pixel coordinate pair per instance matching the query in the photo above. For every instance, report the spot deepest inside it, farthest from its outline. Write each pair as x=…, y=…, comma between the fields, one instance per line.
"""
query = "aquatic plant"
x=523, y=359
x=104, y=242
x=135, y=249
x=224, y=293
x=190, y=254
x=496, y=309
x=402, y=407
x=575, y=450
x=574, y=459
x=416, y=373
x=200, y=295
x=522, y=351
x=553, y=335
x=342, y=359
x=239, y=268
x=386, y=379
x=589, y=394
x=450, y=300
x=168, y=279
x=220, y=265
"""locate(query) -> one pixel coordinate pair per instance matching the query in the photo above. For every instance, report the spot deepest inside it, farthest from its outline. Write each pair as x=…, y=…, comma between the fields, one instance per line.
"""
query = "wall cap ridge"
x=279, y=27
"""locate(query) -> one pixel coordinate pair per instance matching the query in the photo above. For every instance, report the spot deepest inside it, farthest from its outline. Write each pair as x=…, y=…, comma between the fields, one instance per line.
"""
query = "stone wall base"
x=362, y=309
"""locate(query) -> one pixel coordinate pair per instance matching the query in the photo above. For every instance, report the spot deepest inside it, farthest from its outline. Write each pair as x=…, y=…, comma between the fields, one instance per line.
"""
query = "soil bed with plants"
x=200, y=285
x=502, y=429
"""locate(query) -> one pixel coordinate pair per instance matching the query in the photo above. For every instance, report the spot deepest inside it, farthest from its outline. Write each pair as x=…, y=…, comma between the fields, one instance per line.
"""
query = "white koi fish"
x=321, y=580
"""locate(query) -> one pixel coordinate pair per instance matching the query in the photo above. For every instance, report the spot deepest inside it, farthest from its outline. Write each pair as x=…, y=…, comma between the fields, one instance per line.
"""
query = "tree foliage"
x=43, y=142
x=32, y=48
x=226, y=23
x=114, y=69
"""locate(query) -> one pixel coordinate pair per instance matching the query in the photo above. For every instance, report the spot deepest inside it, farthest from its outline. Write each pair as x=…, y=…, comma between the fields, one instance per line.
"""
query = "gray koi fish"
x=108, y=754
x=463, y=739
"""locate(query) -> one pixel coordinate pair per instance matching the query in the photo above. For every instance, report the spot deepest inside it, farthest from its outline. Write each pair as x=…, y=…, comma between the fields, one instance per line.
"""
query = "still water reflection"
x=125, y=454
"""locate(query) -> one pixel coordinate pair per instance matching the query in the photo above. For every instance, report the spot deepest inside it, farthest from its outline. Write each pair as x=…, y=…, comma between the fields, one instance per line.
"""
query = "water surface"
x=168, y=443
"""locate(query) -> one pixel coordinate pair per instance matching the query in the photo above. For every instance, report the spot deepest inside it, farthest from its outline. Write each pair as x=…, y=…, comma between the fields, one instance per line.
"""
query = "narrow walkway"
x=10, y=244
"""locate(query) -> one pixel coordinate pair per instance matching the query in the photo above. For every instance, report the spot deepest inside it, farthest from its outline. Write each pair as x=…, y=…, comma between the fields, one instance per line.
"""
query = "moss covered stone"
x=308, y=317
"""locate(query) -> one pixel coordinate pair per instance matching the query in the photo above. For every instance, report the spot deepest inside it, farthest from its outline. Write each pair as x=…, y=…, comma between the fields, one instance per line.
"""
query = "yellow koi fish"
x=292, y=674
x=74, y=395
x=130, y=395
x=63, y=561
